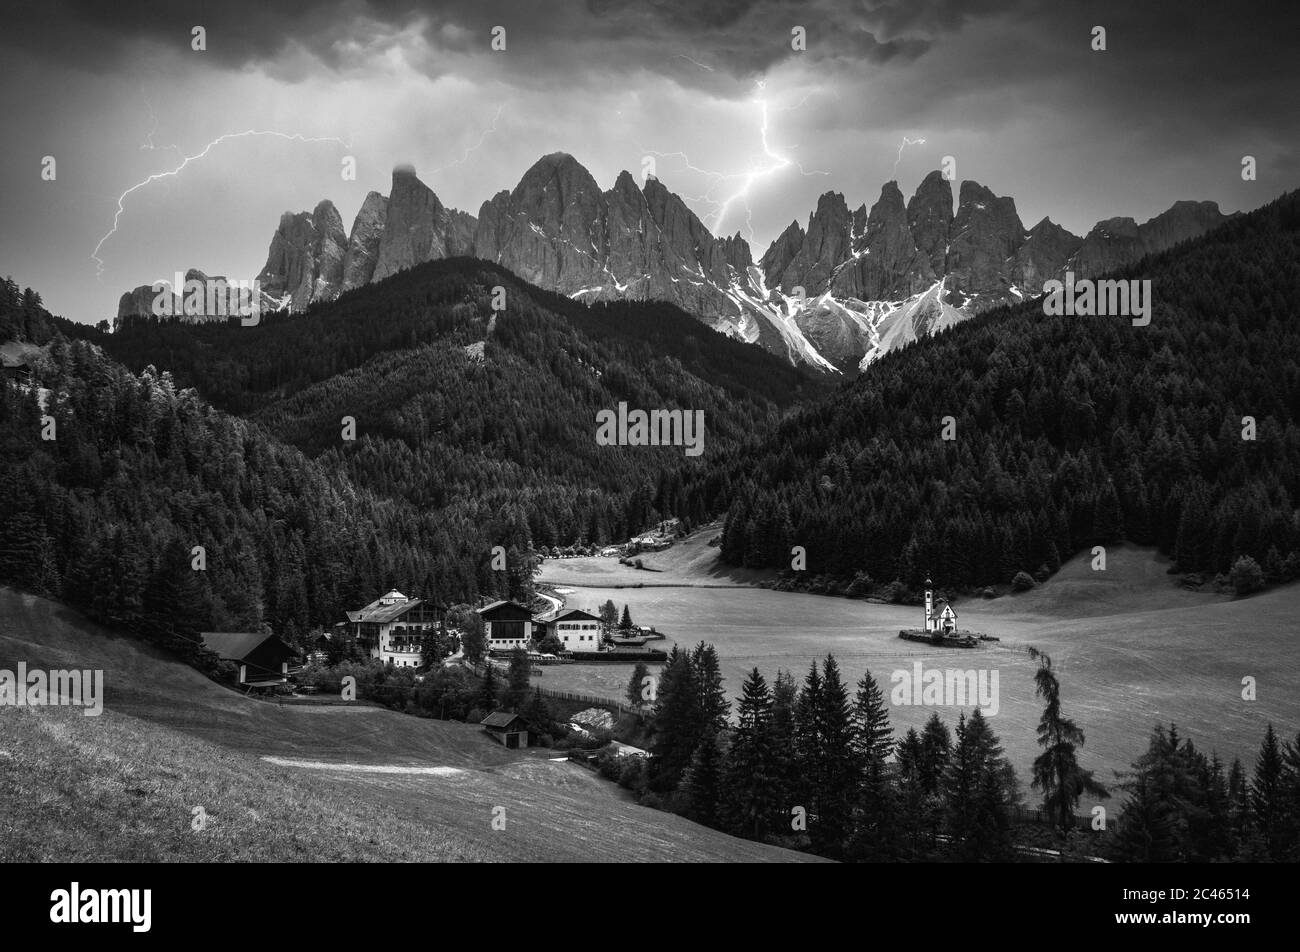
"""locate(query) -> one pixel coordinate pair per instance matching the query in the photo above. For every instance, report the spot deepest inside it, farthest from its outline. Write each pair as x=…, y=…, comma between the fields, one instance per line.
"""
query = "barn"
x=263, y=659
x=509, y=730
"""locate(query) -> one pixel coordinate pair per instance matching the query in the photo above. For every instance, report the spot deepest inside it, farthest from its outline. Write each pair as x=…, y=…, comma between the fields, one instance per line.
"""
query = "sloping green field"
x=342, y=784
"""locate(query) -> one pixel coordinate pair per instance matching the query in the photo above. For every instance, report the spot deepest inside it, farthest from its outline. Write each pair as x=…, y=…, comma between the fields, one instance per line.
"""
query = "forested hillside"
x=110, y=479
x=107, y=513
x=453, y=416
x=1070, y=432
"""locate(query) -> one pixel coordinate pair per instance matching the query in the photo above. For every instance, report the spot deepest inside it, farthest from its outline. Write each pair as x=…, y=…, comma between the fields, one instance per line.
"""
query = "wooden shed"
x=263, y=659
x=509, y=730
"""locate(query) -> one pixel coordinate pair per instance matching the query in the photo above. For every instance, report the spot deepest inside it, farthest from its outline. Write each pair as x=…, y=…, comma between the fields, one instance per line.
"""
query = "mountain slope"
x=877, y=280
x=1069, y=432
x=487, y=418
x=122, y=786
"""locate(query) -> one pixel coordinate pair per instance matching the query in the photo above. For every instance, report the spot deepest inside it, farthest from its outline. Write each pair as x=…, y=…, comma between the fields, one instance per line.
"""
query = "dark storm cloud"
x=737, y=38
x=1160, y=50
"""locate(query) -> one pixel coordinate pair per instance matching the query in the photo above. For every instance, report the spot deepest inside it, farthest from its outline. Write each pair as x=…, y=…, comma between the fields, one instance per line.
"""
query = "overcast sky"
x=1010, y=88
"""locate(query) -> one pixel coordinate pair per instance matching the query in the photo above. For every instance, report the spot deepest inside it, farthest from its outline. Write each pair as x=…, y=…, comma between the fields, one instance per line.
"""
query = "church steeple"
x=930, y=621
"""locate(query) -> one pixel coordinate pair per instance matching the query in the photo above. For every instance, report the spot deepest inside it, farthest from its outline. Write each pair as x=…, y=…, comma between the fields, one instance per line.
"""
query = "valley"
x=1131, y=648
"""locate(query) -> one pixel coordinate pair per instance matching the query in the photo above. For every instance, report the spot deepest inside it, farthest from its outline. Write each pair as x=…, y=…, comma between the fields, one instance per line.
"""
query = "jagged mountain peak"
x=558, y=229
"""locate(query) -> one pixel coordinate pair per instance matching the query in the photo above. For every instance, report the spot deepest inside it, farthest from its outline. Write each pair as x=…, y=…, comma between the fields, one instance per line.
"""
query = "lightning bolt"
x=903, y=145
x=774, y=163
x=689, y=60
x=476, y=146
x=186, y=160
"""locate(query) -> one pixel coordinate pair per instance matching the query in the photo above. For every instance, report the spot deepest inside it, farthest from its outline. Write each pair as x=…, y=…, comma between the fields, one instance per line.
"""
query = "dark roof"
x=510, y=609
x=233, y=645
x=574, y=613
x=502, y=719
x=379, y=612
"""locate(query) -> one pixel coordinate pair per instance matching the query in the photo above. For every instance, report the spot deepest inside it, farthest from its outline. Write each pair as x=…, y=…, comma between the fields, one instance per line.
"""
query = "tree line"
x=817, y=765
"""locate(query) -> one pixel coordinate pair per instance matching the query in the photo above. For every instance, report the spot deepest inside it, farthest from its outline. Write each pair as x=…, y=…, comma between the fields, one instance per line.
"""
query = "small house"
x=507, y=729
x=263, y=660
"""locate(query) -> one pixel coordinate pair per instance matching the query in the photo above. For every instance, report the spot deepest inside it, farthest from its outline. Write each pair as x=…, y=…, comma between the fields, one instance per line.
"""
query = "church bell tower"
x=930, y=622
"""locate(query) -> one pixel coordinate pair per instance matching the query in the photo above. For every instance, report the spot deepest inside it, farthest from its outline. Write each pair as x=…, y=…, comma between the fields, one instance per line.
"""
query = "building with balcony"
x=507, y=625
x=393, y=628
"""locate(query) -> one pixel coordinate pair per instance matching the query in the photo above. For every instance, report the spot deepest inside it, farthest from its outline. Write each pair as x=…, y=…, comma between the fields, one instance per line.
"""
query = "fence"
x=591, y=699
x=649, y=656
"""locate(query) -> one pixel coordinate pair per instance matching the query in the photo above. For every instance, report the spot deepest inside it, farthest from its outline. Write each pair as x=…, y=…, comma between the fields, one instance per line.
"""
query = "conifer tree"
x=517, y=678
x=752, y=782
x=874, y=739
x=1155, y=823
x=538, y=713
x=807, y=782
x=701, y=786
x=636, y=685
x=712, y=704
x=979, y=790
x=1267, y=797
x=1056, y=771
x=1289, y=790
x=839, y=770
x=877, y=828
x=784, y=696
x=676, y=722
x=936, y=747
x=489, y=689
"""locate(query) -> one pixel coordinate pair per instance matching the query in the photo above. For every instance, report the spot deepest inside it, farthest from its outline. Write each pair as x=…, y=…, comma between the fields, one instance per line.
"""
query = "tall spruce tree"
x=808, y=783
x=677, y=722
x=752, y=784
x=876, y=835
x=785, y=693
x=839, y=769
x=714, y=707
x=979, y=788
x=936, y=748
x=1267, y=794
x=1163, y=803
x=701, y=786
x=1056, y=771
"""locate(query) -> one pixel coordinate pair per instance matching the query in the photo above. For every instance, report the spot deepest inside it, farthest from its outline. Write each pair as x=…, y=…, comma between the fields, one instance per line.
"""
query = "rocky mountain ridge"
x=836, y=295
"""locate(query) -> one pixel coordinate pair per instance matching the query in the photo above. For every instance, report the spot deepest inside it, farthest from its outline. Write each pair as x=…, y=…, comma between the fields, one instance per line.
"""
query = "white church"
x=939, y=619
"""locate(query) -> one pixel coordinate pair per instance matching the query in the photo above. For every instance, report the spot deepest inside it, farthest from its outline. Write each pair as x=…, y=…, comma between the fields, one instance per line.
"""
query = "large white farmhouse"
x=393, y=628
